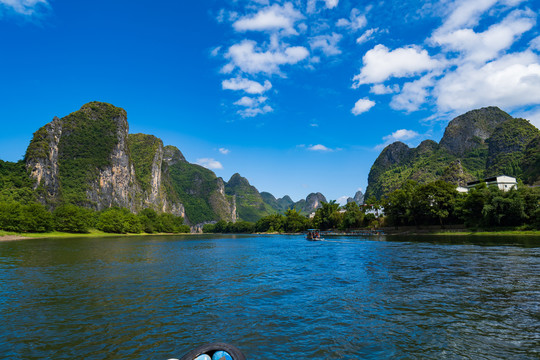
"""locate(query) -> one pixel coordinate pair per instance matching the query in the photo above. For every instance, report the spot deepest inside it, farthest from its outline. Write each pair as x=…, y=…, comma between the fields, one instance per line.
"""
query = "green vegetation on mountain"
x=194, y=186
x=249, y=203
x=15, y=184
x=88, y=137
x=143, y=149
x=480, y=143
x=531, y=162
x=507, y=147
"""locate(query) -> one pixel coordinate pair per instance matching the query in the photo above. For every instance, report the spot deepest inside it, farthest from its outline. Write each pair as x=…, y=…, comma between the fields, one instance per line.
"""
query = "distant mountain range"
x=88, y=158
x=479, y=144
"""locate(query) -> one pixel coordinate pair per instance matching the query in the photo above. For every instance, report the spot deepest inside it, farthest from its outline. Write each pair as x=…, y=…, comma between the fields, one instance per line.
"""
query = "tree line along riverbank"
x=432, y=206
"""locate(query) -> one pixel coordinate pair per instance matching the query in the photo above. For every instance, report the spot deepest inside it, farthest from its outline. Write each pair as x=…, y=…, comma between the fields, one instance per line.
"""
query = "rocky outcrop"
x=472, y=129
x=480, y=143
x=249, y=202
x=279, y=205
x=506, y=146
x=455, y=174
x=116, y=184
x=42, y=160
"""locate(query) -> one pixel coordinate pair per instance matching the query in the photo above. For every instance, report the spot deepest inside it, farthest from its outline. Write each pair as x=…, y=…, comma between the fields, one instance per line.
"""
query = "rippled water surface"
x=275, y=297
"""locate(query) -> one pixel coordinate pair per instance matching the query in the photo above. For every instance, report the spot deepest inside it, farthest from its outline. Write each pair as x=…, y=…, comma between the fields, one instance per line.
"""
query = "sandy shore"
x=12, y=237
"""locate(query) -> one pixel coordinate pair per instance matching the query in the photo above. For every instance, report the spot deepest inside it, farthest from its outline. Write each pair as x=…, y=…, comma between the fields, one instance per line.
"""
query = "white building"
x=503, y=182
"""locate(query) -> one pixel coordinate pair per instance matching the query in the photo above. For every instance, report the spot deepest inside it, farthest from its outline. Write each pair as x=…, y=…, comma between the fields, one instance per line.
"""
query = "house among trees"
x=503, y=182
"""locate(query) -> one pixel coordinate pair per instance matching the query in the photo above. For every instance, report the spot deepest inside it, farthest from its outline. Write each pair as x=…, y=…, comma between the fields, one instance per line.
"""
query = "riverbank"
x=11, y=236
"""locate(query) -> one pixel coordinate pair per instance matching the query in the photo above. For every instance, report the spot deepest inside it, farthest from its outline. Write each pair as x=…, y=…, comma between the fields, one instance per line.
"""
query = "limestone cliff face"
x=248, y=201
x=42, y=159
x=314, y=201
x=472, y=129
x=89, y=159
x=223, y=206
x=148, y=157
x=116, y=182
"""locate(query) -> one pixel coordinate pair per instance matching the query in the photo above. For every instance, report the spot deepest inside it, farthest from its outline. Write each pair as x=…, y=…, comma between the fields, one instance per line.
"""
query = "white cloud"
x=271, y=18
x=465, y=14
x=224, y=151
x=329, y=4
x=251, y=102
x=535, y=43
x=380, y=89
x=319, y=147
x=533, y=115
x=24, y=7
x=401, y=135
x=381, y=64
x=342, y=200
x=508, y=82
x=485, y=46
x=249, y=86
x=366, y=36
x=355, y=22
x=328, y=44
x=250, y=59
x=210, y=163
x=253, y=106
x=215, y=51
x=362, y=105
x=413, y=94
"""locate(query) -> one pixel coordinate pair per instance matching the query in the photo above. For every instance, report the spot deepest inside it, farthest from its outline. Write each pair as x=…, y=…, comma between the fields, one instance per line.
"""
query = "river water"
x=275, y=297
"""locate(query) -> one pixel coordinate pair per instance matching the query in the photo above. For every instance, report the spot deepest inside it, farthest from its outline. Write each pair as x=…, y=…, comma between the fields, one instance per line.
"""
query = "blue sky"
x=297, y=96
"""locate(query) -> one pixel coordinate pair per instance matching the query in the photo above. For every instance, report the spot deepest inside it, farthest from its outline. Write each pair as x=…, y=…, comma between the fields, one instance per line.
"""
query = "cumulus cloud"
x=312, y=4
x=355, y=22
x=328, y=44
x=24, y=7
x=401, y=135
x=366, y=36
x=224, y=151
x=381, y=64
x=485, y=46
x=362, y=105
x=508, y=82
x=319, y=147
x=380, y=89
x=249, y=86
x=209, y=163
x=250, y=59
x=253, y=106
x=533, y=115
x=413, y=94
x=535, y=43
x=465, y=14
x=271, y=18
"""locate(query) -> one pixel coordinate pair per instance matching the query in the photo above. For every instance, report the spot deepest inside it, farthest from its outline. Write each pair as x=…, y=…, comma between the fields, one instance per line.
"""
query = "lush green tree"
x=208, y=228
x=35, y=217
x=353, y=217
x=295, y=222
x=72, y=219
x=471, y=208
x=220, y=227
x=10, y=214
x=327, y=216
x=270, y=223
x=148, y=219
x=32, y=217
x=438, y=199
x=119, y=221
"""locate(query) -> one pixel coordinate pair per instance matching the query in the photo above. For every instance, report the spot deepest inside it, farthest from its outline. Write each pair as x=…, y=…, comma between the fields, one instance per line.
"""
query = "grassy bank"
x=490, y=233
x=5, y=235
